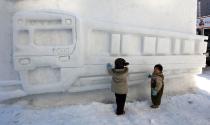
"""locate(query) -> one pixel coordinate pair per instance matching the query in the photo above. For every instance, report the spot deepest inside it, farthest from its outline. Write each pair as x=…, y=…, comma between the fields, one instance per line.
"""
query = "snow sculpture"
x=56, y=52
x=45, y=51
x=62, y=46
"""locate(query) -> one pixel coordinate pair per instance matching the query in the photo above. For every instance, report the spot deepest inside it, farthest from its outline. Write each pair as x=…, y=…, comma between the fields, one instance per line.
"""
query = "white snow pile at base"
x=189, y=109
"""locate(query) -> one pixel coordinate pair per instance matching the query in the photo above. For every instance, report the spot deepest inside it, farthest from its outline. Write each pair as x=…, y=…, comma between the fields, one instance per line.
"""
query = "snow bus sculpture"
x=61, y=48
x=58, y=52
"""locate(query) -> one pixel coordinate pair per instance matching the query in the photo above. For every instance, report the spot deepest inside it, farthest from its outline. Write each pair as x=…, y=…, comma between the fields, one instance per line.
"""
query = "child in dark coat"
x=157, y=85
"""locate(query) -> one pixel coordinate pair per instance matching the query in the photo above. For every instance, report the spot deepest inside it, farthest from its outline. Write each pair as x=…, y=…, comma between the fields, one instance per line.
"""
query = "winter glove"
x=109, y=66
x=154, y=92
x=148, y=75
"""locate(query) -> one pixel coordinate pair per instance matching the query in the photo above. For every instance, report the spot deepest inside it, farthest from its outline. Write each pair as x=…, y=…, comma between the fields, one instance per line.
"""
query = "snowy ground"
x=188, y=109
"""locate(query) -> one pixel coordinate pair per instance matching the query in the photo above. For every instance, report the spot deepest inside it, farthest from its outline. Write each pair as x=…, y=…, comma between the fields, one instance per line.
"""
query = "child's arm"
x=159, y=83
x=109, y=68
x=147, y=75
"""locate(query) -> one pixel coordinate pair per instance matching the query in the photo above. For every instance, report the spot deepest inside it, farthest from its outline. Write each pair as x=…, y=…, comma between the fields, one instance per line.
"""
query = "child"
x=157, y=85
x=119, y=83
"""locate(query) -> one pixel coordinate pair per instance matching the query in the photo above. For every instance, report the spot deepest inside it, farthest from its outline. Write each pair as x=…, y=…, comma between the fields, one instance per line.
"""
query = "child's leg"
x=159, y=96
x=156, y=100
x=122, y=104
x=120, y=100
x=117, y=102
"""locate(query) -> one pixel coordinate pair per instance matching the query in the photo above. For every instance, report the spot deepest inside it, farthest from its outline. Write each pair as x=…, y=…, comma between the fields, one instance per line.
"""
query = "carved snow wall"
x=56, y=51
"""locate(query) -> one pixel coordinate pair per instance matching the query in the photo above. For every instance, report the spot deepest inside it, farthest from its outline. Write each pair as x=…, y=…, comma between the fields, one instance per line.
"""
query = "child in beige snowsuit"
x=119, y=83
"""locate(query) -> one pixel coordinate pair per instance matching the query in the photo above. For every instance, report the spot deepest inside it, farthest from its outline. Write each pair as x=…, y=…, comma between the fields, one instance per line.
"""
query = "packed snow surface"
x=188, y=109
